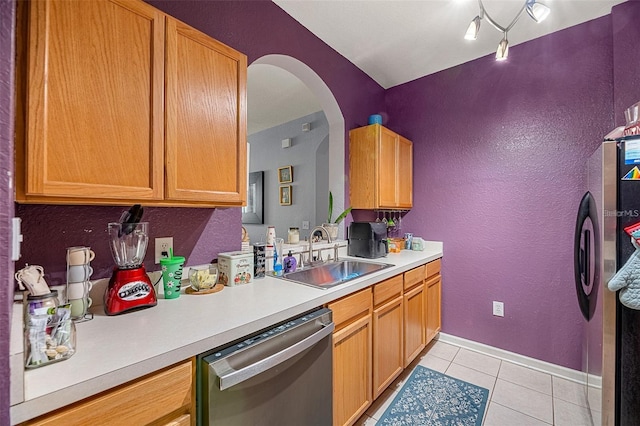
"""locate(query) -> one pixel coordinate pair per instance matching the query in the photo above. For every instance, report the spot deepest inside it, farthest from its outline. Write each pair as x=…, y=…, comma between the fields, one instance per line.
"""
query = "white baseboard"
x=535, y=364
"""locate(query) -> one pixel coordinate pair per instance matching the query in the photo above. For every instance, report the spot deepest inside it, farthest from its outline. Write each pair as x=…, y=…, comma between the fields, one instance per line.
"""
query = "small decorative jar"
x=293, y=236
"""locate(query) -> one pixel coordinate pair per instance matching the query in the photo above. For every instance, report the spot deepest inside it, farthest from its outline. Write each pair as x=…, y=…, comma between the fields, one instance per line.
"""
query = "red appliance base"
x=129, y=290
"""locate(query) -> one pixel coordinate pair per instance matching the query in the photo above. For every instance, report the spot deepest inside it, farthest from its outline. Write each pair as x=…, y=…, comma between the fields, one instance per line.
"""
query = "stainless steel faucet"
x=313, y=231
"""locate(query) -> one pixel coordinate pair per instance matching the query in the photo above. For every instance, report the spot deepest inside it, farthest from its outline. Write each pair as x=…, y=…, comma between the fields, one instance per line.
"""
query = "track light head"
x=502, y=53
x=474, y=29
x=537, y=10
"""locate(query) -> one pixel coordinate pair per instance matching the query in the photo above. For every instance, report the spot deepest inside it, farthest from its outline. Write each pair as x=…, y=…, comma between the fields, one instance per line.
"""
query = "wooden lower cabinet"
x=379, y=332
x=351, y=357
x=433, y=293
x=387, y=333
x=163, y=398
x=414, y=314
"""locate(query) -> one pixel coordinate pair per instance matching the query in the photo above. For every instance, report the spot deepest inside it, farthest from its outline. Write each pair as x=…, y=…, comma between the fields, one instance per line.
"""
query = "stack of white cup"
x=79, y=271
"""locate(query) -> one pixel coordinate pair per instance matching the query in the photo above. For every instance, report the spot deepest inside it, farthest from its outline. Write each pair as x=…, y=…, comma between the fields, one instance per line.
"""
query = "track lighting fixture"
x=536, y=10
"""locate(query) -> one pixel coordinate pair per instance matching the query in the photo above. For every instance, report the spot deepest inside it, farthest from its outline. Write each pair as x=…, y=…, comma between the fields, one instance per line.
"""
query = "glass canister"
x=49, y=332
x=293, y=236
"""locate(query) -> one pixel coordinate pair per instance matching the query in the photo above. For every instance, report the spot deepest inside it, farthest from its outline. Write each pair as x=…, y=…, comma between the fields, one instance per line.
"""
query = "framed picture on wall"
x=285, y=195
x=285, y=174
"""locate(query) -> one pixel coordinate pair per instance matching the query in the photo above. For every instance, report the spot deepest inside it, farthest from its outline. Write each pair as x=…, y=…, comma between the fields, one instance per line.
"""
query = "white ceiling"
x=396, y=41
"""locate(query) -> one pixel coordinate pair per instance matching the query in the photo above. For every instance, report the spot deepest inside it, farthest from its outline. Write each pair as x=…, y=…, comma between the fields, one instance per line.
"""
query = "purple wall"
x=499, y=155
x=259, y=28
x=199, y=234
x=7, y=30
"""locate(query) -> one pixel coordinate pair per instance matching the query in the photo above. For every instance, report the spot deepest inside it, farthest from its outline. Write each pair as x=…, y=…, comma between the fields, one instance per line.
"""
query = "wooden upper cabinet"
x=380, y=169
x=388, y=168
x=120, y=102
x=94, y=99
x=205, y=117
x=405, y=173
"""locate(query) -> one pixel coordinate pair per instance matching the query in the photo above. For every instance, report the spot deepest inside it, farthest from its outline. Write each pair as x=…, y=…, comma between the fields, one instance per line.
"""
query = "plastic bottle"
x=290, y=263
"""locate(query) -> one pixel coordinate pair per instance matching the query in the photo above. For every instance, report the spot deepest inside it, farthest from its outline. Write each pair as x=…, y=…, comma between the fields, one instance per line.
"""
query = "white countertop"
x=114, y=350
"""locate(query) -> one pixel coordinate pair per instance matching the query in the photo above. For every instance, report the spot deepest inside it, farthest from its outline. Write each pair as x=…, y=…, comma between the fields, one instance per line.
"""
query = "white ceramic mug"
x=79, y=307
x=79, y=255
x=78, y=273
x=78, y=290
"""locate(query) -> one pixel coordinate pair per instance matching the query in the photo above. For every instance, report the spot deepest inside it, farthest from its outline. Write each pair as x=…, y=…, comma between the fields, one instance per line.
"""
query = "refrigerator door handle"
x=580, y=255
x=586, y=271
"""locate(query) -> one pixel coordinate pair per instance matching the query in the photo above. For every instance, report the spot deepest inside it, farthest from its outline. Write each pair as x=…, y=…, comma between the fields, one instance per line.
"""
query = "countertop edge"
x=35, y=407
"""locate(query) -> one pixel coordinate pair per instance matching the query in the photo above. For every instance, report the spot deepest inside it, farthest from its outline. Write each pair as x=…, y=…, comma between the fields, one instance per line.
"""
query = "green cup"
x=171, y=275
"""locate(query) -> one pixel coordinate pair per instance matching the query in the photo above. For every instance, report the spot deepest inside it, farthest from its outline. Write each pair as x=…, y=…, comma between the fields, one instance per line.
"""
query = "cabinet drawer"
x=351, y=306
x=433, y=268
x=387, y=290
x=140, y=402
x=413, y=277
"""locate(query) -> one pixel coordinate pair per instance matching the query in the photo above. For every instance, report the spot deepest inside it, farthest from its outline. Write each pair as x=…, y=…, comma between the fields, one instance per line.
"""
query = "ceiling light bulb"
x=474, y=28
x=537, y=11
x=503, y=49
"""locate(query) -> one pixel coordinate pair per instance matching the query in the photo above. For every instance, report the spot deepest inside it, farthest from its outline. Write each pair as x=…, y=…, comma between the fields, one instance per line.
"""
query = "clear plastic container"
x=203, y=278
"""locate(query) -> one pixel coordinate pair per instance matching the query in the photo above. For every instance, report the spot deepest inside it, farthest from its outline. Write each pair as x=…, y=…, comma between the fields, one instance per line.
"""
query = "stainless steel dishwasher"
x=281, y=376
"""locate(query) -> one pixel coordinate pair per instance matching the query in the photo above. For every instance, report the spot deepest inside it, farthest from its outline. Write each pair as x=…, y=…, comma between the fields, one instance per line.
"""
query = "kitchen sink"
x=331, y=274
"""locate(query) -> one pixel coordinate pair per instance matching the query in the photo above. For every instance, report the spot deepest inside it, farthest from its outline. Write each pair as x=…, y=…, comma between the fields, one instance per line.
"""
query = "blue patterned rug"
x=431, y=398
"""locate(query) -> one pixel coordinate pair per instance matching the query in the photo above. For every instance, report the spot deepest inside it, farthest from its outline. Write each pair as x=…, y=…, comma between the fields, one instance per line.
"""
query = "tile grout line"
x=492, y=393
x=524, y=414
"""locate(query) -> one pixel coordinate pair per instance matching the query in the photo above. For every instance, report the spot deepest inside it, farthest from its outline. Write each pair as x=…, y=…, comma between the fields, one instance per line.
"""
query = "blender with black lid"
x=129, y=287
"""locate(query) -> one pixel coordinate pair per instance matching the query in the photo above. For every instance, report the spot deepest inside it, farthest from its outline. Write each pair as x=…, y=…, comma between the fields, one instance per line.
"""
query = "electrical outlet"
x=498, y=309
x=305, y=224
x=163, y=247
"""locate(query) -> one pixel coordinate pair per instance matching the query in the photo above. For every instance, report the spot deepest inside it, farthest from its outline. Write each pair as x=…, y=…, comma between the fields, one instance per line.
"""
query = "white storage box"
x=235, y=268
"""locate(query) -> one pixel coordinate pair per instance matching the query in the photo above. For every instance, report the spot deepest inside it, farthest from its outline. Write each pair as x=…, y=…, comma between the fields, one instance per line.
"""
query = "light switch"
x=16, y=238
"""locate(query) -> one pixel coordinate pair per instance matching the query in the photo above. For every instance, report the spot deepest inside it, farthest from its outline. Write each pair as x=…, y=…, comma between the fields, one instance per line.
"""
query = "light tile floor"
x=517, y=395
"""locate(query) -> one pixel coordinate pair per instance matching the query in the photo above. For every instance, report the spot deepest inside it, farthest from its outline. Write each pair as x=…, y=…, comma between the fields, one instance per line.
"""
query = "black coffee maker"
x=368, y=239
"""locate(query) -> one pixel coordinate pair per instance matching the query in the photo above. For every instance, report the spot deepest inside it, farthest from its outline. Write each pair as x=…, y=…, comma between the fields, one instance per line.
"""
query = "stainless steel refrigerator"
x=611, y=339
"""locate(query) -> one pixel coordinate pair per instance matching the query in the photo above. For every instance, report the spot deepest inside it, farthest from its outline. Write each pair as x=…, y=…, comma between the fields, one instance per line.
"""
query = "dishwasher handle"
x=234, y=377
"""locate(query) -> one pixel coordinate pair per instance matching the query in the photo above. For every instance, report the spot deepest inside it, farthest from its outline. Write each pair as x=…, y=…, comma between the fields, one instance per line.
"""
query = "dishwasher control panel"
x=268, y=333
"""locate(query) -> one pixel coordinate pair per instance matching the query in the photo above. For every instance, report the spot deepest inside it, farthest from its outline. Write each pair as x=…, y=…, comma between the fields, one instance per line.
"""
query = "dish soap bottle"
x=290, y=263
x=277, y=257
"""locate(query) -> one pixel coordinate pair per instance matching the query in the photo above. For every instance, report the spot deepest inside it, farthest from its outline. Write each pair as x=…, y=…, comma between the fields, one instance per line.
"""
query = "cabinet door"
x=405, y=173
x=95, y=90
x=351, y=371
x=387, y=344
x=206, y=155
x=434, y=323
x=167, y=393
x=414, y=323
x=387, y=168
